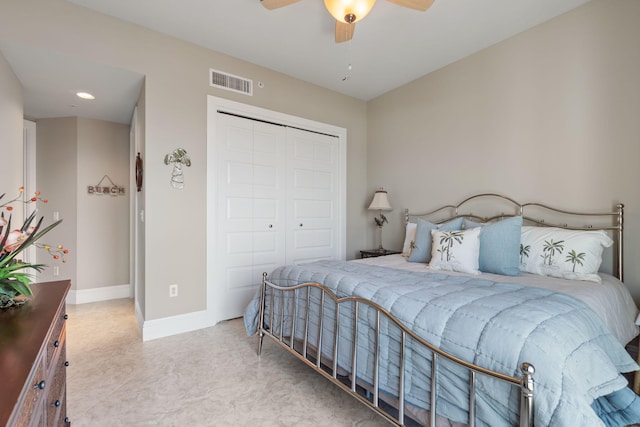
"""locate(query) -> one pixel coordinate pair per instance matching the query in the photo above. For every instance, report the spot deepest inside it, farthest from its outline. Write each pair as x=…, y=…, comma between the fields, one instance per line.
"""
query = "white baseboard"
x=150, y=329
x=84, y=296
x=167, y=326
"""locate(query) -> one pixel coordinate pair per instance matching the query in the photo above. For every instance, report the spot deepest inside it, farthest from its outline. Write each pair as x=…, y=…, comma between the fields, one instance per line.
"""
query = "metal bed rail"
x=296, y=302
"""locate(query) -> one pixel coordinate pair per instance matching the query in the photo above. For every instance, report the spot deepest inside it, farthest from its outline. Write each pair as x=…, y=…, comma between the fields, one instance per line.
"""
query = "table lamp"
x=380, y=203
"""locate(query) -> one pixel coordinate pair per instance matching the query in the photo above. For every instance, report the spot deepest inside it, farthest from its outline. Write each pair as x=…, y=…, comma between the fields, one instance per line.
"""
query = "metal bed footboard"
x=286, y=316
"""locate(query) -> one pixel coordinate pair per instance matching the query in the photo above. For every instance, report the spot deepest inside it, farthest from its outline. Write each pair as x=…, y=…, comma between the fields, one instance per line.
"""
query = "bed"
x=497, y=313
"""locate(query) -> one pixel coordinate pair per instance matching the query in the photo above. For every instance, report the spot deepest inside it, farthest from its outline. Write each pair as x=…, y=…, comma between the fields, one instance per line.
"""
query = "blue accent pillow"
x=499, y=245
x=421, y=251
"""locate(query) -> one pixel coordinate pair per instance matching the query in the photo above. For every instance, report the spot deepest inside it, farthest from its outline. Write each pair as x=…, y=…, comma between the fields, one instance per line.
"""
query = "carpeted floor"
x=210, y=377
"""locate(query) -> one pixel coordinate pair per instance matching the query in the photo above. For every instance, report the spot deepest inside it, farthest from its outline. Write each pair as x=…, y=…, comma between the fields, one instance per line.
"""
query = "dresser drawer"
x=54, y=342
x=56, y=409
x=55, y=401
x=34, y=391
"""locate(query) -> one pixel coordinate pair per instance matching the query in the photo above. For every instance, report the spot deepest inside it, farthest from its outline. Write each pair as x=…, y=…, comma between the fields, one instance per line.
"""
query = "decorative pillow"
x=499, y=245
x=569, y=254
x=456, y=250
x=421, y=251
x=409, y=238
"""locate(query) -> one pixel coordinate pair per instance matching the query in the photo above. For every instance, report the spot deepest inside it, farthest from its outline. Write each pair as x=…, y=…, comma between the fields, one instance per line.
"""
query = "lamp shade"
x=349, y=11
x=380, y=201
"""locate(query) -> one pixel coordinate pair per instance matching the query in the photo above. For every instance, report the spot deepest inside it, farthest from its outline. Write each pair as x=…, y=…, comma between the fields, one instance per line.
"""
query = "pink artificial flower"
x=14, y=240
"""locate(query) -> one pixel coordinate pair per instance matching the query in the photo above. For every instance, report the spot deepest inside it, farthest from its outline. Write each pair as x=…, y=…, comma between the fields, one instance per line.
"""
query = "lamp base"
x=380, y=248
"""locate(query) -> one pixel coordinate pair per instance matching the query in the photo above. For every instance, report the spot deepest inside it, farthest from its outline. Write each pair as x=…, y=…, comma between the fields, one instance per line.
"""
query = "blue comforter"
x=495, y=325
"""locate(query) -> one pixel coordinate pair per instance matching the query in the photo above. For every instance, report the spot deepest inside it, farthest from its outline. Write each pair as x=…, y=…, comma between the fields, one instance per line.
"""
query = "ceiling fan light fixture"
x=349, y=11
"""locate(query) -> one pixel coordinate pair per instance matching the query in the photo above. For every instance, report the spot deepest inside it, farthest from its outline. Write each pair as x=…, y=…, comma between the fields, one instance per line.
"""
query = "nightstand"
x=372, y=253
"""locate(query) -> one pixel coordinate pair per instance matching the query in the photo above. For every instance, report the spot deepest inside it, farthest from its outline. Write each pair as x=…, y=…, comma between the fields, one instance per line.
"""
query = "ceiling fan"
x=348, y=12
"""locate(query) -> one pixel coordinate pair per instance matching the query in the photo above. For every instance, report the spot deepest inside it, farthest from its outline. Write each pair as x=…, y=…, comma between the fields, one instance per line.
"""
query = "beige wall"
x=138, y=206
x=57, y=178
x=10, y=131
x=103, y=220
x=73, y=153
x=176, y=90
x=552, y=114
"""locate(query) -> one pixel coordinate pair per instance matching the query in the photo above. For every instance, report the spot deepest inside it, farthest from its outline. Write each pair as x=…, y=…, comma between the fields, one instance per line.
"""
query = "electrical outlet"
x=173, y=290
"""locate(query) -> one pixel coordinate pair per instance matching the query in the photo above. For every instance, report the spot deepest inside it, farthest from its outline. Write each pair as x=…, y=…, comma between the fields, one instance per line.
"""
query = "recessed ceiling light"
x=85, y=95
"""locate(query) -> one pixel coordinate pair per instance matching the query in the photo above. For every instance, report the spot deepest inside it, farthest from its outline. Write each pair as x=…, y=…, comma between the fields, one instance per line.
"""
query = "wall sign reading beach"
x=100, y=188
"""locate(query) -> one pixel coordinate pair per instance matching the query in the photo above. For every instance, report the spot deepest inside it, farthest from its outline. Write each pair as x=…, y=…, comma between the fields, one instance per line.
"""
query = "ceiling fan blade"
x=344, y=31
x=414, y=4
x=274, y=4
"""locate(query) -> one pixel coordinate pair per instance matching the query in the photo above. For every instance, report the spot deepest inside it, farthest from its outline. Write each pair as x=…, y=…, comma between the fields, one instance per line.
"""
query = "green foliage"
x=14, y=278
x=524, y=252
x=575, y=258
x=447, y=241
x=550, y=248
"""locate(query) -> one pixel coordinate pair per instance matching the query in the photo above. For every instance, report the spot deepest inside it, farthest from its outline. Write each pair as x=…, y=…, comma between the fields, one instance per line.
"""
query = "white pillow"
x=456, y=250
x=568, y=254
x=409, y=238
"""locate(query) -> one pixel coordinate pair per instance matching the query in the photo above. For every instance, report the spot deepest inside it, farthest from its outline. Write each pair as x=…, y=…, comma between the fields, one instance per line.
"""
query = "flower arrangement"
x=14, y=280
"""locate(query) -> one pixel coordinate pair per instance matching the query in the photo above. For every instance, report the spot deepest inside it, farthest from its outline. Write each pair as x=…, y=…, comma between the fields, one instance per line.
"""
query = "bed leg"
x=260, y=338
x=263, y=287
x=526, y=396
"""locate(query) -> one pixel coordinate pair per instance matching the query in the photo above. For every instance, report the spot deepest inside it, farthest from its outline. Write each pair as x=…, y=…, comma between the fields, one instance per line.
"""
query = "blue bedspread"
x=498, y=326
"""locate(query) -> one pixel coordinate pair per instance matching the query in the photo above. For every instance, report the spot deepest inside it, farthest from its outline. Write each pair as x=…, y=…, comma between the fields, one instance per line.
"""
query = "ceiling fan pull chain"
x=348, y=58
x=347, y=76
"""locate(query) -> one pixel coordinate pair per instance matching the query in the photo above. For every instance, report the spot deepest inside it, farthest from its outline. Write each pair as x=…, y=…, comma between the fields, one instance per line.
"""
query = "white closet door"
x=251, y=207
x=313, y=223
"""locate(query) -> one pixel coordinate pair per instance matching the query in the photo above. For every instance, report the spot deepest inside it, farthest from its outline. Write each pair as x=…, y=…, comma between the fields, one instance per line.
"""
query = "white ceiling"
x=391, y=46
x=51, y=80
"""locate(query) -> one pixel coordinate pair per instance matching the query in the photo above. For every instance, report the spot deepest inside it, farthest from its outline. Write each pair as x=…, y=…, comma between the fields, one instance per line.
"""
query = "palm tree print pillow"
x=456, y=250
x=568, y=254
x=409, y=239
x=421, y=245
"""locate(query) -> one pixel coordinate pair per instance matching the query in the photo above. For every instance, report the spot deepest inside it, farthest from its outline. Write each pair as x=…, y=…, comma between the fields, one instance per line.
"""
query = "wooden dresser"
x=33, y=359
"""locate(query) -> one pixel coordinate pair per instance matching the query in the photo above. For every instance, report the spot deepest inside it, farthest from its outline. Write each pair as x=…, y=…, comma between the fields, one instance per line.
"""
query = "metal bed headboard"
x=548, y=216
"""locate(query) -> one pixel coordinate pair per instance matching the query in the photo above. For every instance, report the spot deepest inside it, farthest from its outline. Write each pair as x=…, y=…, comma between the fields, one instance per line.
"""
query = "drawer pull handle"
x=66, y=420
x=56, y=403
x=65, y=317
x=66, y=363
x=40, y=385
x=56, y=344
